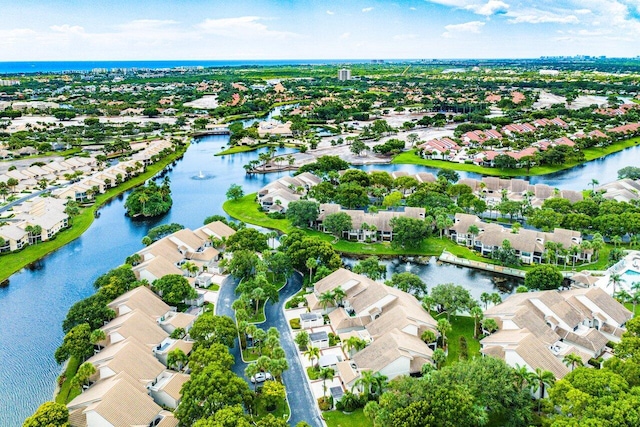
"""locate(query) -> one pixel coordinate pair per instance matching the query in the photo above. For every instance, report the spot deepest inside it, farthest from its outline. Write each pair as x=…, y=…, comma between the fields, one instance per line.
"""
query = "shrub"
x=333, y=339
x=464, y=350
x=295, y=323
x=324, y=403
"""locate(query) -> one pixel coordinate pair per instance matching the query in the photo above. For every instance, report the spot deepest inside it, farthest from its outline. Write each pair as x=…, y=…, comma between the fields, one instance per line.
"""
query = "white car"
x=260, y=377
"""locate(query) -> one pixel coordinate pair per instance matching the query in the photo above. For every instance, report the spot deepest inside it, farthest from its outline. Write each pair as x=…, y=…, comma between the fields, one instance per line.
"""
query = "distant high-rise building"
x=344, y=74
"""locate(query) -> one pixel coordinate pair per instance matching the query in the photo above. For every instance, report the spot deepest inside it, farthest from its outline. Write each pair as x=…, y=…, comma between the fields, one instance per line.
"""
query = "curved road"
x=302, y=404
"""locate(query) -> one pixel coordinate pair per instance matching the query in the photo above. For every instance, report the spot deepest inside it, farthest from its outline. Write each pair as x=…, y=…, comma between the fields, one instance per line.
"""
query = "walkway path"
x=301, y=401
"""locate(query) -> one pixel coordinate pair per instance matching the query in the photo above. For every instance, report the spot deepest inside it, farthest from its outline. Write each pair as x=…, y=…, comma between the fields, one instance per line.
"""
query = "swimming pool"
x=630, y=276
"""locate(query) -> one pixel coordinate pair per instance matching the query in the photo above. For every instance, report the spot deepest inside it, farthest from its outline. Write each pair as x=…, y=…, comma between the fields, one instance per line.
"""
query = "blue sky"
x=310, y=29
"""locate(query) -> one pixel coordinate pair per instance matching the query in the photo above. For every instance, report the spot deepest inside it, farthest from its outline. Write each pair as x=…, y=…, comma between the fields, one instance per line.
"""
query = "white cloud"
x=582, y=11
x=402, y=37
x=367, y=9
x=243, y=27
x=345, y=36
x=492, y=7
x=541, y=17
x=467, y=27
x=412, y=8
x=330, y=12
x=67, y=29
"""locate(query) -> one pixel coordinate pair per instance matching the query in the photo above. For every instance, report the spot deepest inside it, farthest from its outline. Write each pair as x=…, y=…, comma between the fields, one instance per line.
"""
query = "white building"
x=344, y=74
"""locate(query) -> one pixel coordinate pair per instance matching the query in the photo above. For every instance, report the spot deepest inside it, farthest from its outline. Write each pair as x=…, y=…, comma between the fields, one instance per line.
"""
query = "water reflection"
x=435, y=273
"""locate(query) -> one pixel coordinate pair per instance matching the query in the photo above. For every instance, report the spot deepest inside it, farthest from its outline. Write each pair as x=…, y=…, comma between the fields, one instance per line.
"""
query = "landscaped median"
x=15, y=261
x=411, y=158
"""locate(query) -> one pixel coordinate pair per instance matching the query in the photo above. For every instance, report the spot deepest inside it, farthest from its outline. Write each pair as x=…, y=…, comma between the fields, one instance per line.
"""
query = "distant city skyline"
x=80, y=30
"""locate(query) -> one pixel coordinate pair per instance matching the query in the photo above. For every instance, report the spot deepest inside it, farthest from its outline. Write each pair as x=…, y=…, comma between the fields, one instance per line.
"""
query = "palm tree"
x=572, y=360
x=327, y=298
x=622, y=296
x=311, y=264
x=615, y=279
x=250, y=371
x=593, y=184
x=325, y=374
x=339, y=295
x=353, y=344
x=477, y=314
x=428, y=336
x=84, y=372
x=258, y=295
x=177, y=358
x=485, y=297
x=313, y=353
x=443, y=327
x=190, y=268
x=522, y=376
x=539, y=380
x=379, y=384
x=364, y=383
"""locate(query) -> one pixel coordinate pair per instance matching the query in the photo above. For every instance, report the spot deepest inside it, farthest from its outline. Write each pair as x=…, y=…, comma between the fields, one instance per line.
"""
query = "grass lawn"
x=460, y=326
x=214, y=287
x=340, y=419
x=250, y=354
x=282, y=410
x=66, y=393
x=410, y=157
x=15, y=261
x=242, y=149
x=312, y=373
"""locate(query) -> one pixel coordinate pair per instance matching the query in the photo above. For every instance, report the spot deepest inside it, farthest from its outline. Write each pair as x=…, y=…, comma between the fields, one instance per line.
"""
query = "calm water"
x=78, y=66
x=578, y=178
x=435, y=273
x=33, y=306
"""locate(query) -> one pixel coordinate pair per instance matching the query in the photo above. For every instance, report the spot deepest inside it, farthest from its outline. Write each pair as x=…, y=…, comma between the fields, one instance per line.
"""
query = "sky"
x=66, y=30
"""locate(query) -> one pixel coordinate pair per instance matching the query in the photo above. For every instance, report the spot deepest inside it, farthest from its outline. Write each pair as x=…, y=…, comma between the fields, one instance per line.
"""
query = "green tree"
x=235, y=192
x=392, y=200
x=408, y=233
x=208, y=392
x=439, y=358
x=273, y=392
x=451, y=298
x=209, y=329
x=177, y=359
x=76, y=343
x=337, y=223
x=371, y=268
x=539, y=380
x=572, y=360
x=408, y=282
x=243, y=264
x=85, y=371
x=174, y=289
x=302, y=213
x=313, y=353
x=49, y=414
x=543, y=277
x=302, y=339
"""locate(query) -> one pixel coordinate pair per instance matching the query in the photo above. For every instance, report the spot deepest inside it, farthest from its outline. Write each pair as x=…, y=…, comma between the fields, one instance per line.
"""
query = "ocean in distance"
x=80, y=66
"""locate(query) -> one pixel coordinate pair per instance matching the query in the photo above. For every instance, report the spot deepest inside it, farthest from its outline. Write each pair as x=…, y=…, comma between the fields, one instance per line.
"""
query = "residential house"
x=165, y=391
x=119, y=401
x=367, y=226
x=528, y=244
x=162, y=350
x=135, y=324
x=537, y=329
x=392, y=321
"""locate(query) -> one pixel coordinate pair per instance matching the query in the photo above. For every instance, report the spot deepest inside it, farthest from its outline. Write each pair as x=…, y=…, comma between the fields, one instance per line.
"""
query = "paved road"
x=301, y=401
x=25, y=198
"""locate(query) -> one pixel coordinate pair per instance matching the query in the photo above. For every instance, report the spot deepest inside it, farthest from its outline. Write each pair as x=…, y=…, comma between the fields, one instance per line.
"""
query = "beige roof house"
x=135, y=324
x=119, y=401
x=140, y=298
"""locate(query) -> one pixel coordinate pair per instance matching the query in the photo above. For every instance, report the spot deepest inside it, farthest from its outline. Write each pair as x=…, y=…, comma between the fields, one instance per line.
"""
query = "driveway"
x=301, y=401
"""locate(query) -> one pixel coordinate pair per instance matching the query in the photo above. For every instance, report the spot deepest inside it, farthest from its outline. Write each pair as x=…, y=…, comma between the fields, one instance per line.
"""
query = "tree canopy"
x=543, y=277
x=174, y=289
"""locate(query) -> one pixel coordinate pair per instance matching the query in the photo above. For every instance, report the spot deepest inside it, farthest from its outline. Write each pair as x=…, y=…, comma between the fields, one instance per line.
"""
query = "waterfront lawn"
x=15, y=261
x=410, y=157
x=66, y=393
x=341, y=419
x=242, y=149
x=247, y=210
x=460, y=326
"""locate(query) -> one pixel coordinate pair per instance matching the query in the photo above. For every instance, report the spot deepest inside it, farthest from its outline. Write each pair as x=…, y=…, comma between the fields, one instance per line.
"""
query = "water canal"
x=36, y=301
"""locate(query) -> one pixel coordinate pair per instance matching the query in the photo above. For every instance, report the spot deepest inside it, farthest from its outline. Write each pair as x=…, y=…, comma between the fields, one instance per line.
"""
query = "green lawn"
x=340, y=419
x=460, y=326
x=242, y=149
x=250, y=354
x=15, y=261
x=259, y=317
x=66, y=393
x=410, y=157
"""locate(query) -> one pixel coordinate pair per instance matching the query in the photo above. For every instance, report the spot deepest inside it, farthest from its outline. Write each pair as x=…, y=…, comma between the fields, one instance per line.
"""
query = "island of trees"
x=150, y=200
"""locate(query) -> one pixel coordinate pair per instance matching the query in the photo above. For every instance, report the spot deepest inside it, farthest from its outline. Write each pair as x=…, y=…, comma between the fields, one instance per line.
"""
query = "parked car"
x=260, y=377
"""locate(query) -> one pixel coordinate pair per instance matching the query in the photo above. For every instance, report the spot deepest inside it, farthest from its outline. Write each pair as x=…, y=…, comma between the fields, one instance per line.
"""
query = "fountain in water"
x=202, y=176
